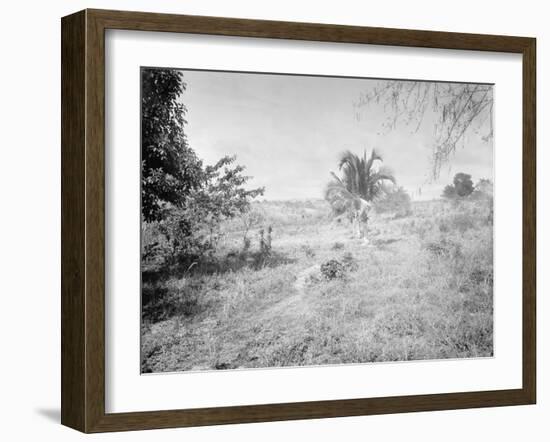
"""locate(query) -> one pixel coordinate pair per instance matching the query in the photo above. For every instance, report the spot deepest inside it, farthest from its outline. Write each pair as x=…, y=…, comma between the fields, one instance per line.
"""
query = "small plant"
x=246, y=244
x=489, y=219
x=445, y=248
x=265, y=244
x=337, y=246
x=350, y=263
x=333, y=269
x=309, y=252
x=444, y=226
x=481, y=276
x=249, y=220
x=403, y=214
x=462, y=222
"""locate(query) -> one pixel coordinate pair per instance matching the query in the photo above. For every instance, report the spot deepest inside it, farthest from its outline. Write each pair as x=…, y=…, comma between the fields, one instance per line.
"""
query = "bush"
x=397, y=201
x=483, y=190
x=246, y=244
x=264, y=254
x=444, y=226
x=309, y=252
x=350, y=263
x=265, y=242
x=154, y=247
x=444, y=247
x=462, y=222
x=333, y=269
x=337, y=246
x=164, y=300
x=184, y=239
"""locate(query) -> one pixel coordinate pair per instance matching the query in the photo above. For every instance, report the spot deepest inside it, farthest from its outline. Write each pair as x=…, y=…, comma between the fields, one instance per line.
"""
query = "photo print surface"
x=293, y=220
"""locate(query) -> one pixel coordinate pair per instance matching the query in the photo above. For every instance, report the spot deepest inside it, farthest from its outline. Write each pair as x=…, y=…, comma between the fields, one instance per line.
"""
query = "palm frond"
x=374, y=156
x=339, y=197
x=360, y=180
x=383, y=174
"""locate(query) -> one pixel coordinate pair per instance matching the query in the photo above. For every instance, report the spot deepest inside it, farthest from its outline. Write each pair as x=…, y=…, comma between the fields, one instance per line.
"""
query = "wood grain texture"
x=143, y=21
x=83, y=220
x=73, y=128
x=529, y=221
x=95, y=222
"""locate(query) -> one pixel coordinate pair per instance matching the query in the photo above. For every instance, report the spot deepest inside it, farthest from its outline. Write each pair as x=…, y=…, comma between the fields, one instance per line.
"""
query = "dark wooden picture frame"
x=83, y=219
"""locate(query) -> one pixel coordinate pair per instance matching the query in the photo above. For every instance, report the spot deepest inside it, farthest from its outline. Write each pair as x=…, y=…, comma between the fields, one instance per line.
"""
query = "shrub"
x=162, y=301
x=265, y=246
x=265, y=241
x=183, y=238
x=483, y=190
x=350, y=263
x=397, y=201
x=333, y=269
x=337, y=246
x=444, y=247
x=444, y=226
x=449, y=192
x=462, y=187
x=481, y=276
x=154, y=248
x=489, y=219
x=309, y=252
x=462, y=222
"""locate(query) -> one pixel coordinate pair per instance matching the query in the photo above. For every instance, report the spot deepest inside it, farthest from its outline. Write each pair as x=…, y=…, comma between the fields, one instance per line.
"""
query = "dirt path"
x=304, y=275
x=294, y=303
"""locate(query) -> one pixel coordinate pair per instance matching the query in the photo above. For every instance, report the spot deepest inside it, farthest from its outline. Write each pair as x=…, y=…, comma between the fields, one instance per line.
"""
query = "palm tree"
x=362, y=181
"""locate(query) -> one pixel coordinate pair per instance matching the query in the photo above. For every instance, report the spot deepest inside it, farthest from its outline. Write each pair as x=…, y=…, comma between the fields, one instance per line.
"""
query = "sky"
x=289, y=131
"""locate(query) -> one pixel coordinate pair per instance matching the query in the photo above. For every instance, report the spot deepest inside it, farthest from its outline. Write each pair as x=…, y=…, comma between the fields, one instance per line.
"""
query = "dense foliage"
x=185, y=199
x=170, y=169
x=462, y=186
x=483, y=189
x=194, y=228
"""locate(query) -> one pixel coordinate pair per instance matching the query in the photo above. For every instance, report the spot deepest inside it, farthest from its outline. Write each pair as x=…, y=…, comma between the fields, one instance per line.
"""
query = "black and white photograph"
x=299, y=220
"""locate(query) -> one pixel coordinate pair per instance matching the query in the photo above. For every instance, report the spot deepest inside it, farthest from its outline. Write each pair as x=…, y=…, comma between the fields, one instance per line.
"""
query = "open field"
x=420, y=289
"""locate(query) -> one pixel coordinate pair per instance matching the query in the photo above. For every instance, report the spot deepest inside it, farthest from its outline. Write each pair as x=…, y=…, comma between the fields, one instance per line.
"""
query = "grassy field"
x=420, y=289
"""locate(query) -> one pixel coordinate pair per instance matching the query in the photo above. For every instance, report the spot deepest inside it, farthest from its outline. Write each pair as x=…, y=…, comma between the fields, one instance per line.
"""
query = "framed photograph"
x=267, y=221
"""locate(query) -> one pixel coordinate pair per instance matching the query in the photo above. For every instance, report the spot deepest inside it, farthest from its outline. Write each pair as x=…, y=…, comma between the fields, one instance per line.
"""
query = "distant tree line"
x=463, y=187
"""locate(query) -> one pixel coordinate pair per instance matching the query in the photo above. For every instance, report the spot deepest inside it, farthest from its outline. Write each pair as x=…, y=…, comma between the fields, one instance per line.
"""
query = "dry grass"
x=422, y=289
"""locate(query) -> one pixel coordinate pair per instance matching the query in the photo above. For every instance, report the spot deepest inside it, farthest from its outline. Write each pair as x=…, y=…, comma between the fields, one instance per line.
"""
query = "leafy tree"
x=483, y=189
x=462, y=186
x=194, y=227
x=187, y=200
x=449, y=192
x=362, y=176
x=362, y=181
x=222, y=195
x=457, y=108
x=170, y=169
